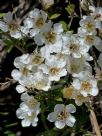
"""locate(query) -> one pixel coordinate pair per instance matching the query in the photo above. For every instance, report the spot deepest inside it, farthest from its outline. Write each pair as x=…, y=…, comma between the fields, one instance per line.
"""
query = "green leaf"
x=9, y=133
x=70, y=9
x=2, y=15
x=54, y=16
x=65, y=26
x=9, y=44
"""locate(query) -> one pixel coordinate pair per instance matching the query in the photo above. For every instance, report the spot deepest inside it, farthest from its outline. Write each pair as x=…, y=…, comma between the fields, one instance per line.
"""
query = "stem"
x=80, y=9
x=69, y=25
x=43, y=116
x=20, y=49
x=93, y=119
x=94, y=123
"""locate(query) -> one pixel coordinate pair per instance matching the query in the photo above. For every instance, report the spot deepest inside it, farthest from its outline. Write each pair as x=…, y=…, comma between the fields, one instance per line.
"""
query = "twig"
x=20, y=49
x=94, y=123
x=80, y=9
x=6, y=85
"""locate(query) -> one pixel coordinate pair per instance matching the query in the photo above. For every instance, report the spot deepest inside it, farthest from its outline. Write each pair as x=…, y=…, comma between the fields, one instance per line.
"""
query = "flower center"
x=40, y=22
x=62, y=115
x=54, y=71
x=80, y=97
x=37, y=59
x=89, y=39
x=32, y=103
x=24, y=71
x=74, y=67
x=31, y=117
x=39, y=85
x=89, y=26
x=13, y=26
x=67, y=92
x=98, y=16
x=50, y=37
x=86, y=86
x=74, y=47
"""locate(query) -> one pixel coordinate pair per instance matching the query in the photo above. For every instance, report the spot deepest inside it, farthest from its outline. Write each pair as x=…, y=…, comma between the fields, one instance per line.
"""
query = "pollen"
x=50, y=37
x=62, y=115
x=24, y=71
x=86, y=86
x=54, y=71
x=37, y=59
x=39, y=85
x=32, y=102
x=13, y=26
x=40, y=23
x=74, y=47
x=89, y=26
x=89, y=39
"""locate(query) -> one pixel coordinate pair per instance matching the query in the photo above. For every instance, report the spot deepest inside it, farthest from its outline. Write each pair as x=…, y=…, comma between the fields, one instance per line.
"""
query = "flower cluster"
x=57, y=55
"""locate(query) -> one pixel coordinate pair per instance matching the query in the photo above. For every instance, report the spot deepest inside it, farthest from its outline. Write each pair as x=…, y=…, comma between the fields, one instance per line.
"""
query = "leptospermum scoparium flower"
x=62, y=115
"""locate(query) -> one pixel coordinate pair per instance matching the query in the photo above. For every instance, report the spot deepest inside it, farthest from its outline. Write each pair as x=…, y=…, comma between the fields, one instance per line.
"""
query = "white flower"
x=54, y=68
x=88, y=25
x=86, y=84
x=38, y=81
x=72, y=45
x=28, y=111
x=96, y=14
x=75, y=65
x=20, y=61
x=62, y=115
x=23, y=70
x=36, y=59
x=36, y=21
x=52, y=38
x=47, y=3
x=30, y=102
x=71, y=93
x=8, y=24
x=27, y=119
x=88, y=40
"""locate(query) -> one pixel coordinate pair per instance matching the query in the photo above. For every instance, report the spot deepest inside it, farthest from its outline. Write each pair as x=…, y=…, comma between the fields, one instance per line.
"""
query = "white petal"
x=25, y=97
x=8, y=17
x=20, y=113
x=34, y=13
x=70, y=108
x=28, y=23
x=70, y=121
x=34, y=124
x=52, y=117
x=33, y=32
x=16, y=74
x=94, y=91
x=76, y=84
x=59, y=124
x=85, y=94
x=16, y=34
x=38, y=39
x=25, y=123
x=59, y=107
x=24, y=30
x=58, y=28
x=3, y=26
x=20, y=88
x=43, y=14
